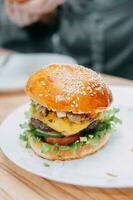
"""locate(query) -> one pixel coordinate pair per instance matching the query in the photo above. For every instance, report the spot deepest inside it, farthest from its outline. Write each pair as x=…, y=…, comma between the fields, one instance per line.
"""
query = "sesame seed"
x=72, y=105
x=98, y=88
x=79, y=82
x=74, y=102
x=59, y=98
x=43, y=83
x=84, y=93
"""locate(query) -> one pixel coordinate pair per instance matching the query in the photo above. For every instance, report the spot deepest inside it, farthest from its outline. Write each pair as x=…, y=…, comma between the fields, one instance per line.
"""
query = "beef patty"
x=35, y=123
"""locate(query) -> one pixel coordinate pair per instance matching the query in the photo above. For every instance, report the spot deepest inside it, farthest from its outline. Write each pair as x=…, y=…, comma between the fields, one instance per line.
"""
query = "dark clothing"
x=99, y=34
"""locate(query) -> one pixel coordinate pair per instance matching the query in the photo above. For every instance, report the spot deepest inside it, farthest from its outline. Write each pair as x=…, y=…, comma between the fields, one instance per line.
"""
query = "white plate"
x=16, y=71
x=115, y=158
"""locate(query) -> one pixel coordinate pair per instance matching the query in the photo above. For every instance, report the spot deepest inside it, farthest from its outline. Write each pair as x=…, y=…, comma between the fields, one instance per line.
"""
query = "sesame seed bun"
x=83, y=151
x=69, y=88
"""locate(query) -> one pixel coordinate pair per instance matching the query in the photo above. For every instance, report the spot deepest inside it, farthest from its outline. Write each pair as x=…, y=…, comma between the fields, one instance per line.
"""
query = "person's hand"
x=28, y=13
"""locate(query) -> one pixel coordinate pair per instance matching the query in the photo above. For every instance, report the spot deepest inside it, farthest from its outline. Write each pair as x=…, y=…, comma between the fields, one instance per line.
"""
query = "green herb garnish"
x=46, y=165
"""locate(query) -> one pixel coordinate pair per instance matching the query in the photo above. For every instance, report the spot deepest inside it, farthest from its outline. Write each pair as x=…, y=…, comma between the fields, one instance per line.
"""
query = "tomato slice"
x=62, y=141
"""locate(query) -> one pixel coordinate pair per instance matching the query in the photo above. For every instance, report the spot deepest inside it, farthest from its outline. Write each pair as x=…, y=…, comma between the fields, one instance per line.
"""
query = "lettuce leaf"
x=106, y=125
x=24, y=139
x=25, y=125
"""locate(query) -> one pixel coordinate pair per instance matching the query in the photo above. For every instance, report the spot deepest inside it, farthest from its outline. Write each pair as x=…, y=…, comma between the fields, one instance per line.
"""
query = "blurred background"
x=95, y=33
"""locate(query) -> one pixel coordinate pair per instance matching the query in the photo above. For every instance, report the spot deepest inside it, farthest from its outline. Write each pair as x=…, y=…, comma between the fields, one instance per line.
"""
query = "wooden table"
x=17, y=184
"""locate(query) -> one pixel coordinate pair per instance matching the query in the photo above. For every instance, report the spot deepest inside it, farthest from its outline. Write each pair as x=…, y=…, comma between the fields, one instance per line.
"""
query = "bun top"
x=69, y=88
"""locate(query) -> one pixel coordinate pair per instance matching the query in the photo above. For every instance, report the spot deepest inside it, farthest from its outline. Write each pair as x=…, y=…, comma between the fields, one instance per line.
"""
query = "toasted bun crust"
x=70, y=88
x=67, y=155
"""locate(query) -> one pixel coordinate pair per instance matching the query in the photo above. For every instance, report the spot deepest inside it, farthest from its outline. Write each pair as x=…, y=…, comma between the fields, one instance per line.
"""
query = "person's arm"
x=25, y=14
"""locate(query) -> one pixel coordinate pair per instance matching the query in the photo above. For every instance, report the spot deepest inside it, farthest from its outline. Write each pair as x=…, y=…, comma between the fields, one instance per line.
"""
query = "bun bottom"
x=83, y=151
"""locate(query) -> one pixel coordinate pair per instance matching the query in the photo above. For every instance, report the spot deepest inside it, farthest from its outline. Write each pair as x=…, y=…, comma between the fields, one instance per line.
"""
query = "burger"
x=68, y=115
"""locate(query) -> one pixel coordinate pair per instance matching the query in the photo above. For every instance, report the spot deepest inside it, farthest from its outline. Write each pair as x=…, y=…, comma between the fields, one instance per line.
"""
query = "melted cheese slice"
x=62, y=125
